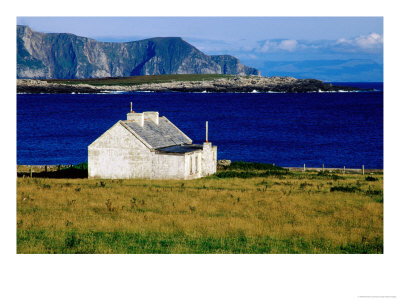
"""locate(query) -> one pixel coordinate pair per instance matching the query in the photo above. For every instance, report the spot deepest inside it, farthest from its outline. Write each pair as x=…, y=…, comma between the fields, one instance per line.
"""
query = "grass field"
x=248, y=208
x=136, y=80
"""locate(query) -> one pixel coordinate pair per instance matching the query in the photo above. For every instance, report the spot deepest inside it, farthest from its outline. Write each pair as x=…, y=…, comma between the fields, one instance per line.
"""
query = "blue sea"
x=287, y=129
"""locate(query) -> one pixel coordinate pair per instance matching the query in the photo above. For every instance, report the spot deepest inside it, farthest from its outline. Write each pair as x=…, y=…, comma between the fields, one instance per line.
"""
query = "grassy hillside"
x=135, y=80
x=247, y=208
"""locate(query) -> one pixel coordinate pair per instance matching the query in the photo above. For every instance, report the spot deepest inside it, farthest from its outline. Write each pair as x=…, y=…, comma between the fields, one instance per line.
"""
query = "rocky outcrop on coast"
x=241, y=84
x=32, y=86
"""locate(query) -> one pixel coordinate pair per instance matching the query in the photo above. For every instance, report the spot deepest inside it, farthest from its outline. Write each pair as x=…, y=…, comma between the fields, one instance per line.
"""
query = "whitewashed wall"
x=209, y=159
x=193, y=171
x=168, y=166
x=118, y=154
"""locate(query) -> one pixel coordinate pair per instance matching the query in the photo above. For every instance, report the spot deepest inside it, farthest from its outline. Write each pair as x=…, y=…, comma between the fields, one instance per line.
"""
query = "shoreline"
x=234, y=84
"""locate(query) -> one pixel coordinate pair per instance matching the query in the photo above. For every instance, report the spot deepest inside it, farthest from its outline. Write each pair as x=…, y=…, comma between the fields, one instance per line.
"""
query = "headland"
x=181, y=83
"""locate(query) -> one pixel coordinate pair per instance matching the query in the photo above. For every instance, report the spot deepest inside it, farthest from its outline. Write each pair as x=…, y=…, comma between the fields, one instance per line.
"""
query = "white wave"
x=113, y=92
x=319, y=91
x=117, y=92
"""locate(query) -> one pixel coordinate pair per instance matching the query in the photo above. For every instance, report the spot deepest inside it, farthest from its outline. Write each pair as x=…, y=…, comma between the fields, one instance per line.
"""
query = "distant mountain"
x=67, y=56
x=351, y=70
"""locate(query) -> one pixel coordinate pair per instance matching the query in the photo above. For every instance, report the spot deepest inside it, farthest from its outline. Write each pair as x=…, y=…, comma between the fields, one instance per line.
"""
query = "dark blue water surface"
x=334, y=129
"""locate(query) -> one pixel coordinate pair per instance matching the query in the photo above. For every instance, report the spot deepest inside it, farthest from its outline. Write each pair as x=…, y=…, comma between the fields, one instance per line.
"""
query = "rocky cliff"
x=62, y=55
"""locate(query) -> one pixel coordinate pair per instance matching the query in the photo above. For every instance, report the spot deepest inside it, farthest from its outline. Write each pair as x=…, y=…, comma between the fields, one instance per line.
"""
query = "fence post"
x=30, y=171
x=323, y=168
x=45, y=168
x=344, y=169
x=363, y=169
x=304, y=167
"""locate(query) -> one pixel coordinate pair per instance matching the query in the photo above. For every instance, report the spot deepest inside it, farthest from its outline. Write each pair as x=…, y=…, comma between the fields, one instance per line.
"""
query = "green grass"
x=346, y=189
x=137, y=80
x=155, y=242
x=237, y=210
x=249, y=174
x=241, y=169
x=242, y=165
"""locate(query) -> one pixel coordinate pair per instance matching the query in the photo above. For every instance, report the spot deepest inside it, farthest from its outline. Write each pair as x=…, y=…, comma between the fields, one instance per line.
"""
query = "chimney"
x=206, y=145
x=206, y=131
x=137, y=117
x=152, y=115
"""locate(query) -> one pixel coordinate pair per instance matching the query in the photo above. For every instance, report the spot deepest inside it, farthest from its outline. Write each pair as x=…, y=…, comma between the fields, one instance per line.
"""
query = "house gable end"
x=118, y=136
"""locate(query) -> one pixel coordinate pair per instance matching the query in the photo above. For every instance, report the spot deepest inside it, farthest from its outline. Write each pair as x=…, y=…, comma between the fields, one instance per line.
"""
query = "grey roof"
x=181, y=148
x=158, y=136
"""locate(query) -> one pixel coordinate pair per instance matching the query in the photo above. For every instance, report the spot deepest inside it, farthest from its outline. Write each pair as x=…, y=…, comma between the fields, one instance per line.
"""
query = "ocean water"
x=288, y=129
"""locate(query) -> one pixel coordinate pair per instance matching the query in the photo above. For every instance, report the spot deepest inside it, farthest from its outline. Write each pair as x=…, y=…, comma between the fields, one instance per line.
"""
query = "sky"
x=326, y=48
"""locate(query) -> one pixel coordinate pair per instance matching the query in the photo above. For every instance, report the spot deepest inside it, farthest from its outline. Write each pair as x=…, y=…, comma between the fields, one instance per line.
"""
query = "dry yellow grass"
x=294, y=213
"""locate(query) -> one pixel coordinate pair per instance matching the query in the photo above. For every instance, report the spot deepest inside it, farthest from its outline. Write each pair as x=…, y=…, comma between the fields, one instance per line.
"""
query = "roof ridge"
x=177, y=128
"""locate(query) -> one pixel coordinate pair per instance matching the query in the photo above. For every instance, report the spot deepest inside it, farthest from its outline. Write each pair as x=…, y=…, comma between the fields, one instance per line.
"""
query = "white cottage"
x=149, y=146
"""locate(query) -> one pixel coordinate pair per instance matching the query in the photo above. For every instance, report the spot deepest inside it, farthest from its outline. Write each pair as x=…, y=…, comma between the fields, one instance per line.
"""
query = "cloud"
x=254, y=53
x=371, y=40
x=371, y=43
x=271, y=46
x=268, y=46
x=367, y=42
x=288, y=45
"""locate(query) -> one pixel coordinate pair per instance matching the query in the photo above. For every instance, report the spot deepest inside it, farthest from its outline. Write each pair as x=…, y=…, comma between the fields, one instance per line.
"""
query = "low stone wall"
x=41, y=168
